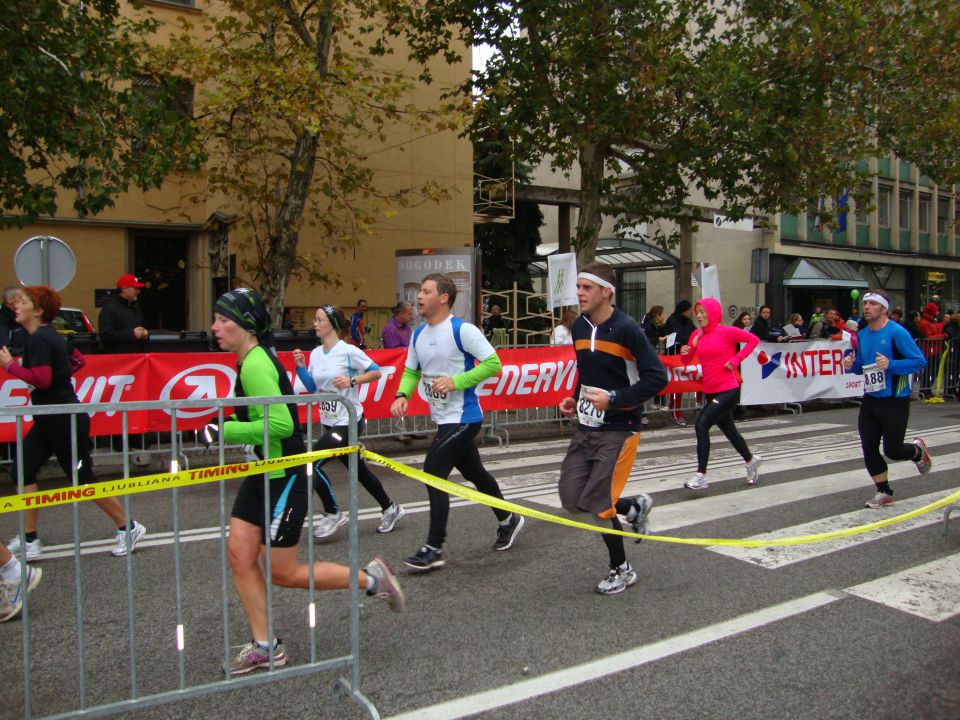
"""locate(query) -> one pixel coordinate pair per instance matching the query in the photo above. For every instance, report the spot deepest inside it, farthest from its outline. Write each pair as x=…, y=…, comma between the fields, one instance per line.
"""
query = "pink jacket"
x=716, y=345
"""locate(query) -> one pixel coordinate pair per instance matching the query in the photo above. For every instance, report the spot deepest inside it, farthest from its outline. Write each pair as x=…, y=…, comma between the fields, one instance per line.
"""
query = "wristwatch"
x=353, y=382
x=611, y=397
x=400, y=395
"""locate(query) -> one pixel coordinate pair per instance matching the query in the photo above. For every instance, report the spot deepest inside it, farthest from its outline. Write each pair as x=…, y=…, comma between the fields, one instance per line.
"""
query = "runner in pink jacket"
x=717, y=348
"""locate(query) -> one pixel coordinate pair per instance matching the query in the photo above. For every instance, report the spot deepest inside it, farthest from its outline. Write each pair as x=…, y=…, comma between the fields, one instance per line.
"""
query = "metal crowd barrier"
x=52, y=628
x=941, y=377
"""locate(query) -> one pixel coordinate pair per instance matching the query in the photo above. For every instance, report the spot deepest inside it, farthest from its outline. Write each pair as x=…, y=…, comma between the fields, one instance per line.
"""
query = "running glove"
x=209, y=434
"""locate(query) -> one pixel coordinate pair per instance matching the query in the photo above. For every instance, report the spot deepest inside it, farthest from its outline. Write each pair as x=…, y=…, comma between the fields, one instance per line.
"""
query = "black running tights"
x=453, y=447
x=718, y=410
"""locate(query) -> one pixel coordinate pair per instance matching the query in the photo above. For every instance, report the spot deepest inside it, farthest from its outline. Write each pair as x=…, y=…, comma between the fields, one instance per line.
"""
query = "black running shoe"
x=425, y=559
x=506, y=534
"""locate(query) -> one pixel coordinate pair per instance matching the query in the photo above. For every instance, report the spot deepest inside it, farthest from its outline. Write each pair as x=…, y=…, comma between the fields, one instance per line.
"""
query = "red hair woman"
x=47, y=366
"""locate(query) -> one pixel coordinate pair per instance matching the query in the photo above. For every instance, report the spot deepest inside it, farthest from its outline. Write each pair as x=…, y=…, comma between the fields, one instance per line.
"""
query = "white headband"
x=598, y=280
x=877, y=299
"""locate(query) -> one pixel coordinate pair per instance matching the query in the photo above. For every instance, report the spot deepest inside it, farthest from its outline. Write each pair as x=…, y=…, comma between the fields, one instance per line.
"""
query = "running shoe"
x=680, y=421
x=11, y=593
x=617, y=580
x=697, y=482
x=136, y=535
x=753, y=470
x=388, y=588
x=639, y=513
x=252, y=656
x=34, y=548
x=924, y=463
x=879, y=500
x=328, y=524
x=425, y=559
x=507, y=533
x=390, y=517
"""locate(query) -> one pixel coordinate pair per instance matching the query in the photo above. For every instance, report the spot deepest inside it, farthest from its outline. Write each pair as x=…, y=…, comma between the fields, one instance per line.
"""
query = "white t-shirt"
x=447, y=349
x=323, y=366
x=561, y=336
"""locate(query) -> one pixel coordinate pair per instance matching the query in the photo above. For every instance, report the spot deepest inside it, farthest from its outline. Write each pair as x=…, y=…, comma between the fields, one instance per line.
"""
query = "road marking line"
x=613, y=664
x=930, y=591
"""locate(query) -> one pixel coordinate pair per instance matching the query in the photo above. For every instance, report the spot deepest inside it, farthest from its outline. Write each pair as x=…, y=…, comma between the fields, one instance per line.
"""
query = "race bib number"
x=587, y=414
x=874, y=379
x=437, y=399
x=329, y=410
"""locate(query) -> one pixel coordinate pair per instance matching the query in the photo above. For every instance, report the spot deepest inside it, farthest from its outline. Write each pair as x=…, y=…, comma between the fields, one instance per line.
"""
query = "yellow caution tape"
x=200, y=476
x=466, y=493
x=160, y=481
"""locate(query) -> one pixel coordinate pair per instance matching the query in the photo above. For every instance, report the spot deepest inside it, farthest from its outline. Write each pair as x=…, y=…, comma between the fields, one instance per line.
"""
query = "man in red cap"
x=121, y=327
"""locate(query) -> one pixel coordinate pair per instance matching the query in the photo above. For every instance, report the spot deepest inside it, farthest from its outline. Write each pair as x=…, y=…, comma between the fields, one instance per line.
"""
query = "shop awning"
x=817, y=272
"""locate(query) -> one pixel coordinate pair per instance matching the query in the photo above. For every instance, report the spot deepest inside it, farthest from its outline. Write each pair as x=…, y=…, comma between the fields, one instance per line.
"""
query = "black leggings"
x=886, y=419
x=718, y=410
x=453, y=447
x=334, y=437
x=50, y=435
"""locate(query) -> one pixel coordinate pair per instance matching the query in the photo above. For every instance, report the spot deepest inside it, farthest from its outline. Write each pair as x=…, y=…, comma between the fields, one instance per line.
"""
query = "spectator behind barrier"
x=120, y=325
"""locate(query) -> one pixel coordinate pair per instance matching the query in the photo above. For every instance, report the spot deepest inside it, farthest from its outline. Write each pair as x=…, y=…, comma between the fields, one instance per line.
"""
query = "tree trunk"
x=592, y=158
x=282, y=248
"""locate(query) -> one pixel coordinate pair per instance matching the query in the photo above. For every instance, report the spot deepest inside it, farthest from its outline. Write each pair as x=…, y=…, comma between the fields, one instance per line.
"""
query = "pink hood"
x=711, y=306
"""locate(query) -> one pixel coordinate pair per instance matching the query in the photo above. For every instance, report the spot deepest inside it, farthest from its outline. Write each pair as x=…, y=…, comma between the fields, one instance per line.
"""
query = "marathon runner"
x=886, y=356
x=442, y=365
x=618, y=371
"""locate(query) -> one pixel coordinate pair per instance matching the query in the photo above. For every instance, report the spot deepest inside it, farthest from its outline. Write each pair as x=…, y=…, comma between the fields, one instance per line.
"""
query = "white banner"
x=562, y=280
x=711, y=282
x=796, y=372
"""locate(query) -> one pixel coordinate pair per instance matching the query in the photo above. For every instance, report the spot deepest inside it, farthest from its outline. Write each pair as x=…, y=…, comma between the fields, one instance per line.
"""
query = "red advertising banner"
x=531, y=377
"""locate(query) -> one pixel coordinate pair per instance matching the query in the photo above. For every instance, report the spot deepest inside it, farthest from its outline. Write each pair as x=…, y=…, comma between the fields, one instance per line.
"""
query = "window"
x=924, y=209
x=181, y=100
x=862, y=217
x=906, y=210
x=943, y=215
x=883, y=207
x=631, y=293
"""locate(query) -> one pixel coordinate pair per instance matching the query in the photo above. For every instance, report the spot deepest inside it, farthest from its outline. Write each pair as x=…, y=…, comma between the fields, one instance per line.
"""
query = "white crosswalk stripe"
x=930, y=591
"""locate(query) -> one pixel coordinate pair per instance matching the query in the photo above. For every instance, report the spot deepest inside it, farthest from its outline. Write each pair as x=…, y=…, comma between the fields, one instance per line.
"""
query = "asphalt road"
x=522, y=634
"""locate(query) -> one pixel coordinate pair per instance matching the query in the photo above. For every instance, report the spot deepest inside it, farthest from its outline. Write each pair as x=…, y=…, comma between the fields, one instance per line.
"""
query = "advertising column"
x=459, y=263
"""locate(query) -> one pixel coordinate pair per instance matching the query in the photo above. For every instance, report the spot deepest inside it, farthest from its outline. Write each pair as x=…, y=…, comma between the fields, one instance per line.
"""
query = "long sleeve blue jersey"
x=893, y=342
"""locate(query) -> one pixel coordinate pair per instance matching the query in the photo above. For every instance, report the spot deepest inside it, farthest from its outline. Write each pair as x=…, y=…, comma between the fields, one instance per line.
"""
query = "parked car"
x=72, y=320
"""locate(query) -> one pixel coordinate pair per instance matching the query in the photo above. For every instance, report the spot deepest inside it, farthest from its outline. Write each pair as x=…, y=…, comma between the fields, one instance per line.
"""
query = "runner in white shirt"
x=442, y=366
x=336, y=366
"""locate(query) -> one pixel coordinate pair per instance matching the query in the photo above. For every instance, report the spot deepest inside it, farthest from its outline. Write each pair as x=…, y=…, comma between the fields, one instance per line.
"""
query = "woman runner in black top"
x=47, y=366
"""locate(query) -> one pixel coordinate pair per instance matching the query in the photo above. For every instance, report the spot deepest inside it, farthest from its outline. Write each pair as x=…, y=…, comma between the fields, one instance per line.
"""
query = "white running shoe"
x=753, y=469
x=11, y=593
x=617, y=580
x=924, y=463
x=389, y=518
x=136, y=535
x=34, y=548
x=697, y=482
x=328, y=524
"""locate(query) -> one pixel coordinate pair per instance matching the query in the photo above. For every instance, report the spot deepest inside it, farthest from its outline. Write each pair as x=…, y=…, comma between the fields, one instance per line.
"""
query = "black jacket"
x=118, y=318
x=12, y=334
x=761, y=328
x=682, y=326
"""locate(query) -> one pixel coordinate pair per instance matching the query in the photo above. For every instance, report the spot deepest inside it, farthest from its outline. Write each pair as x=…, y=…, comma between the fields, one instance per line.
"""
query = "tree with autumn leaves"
x=75, y=123
x=291, y=98
x=756, y=106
